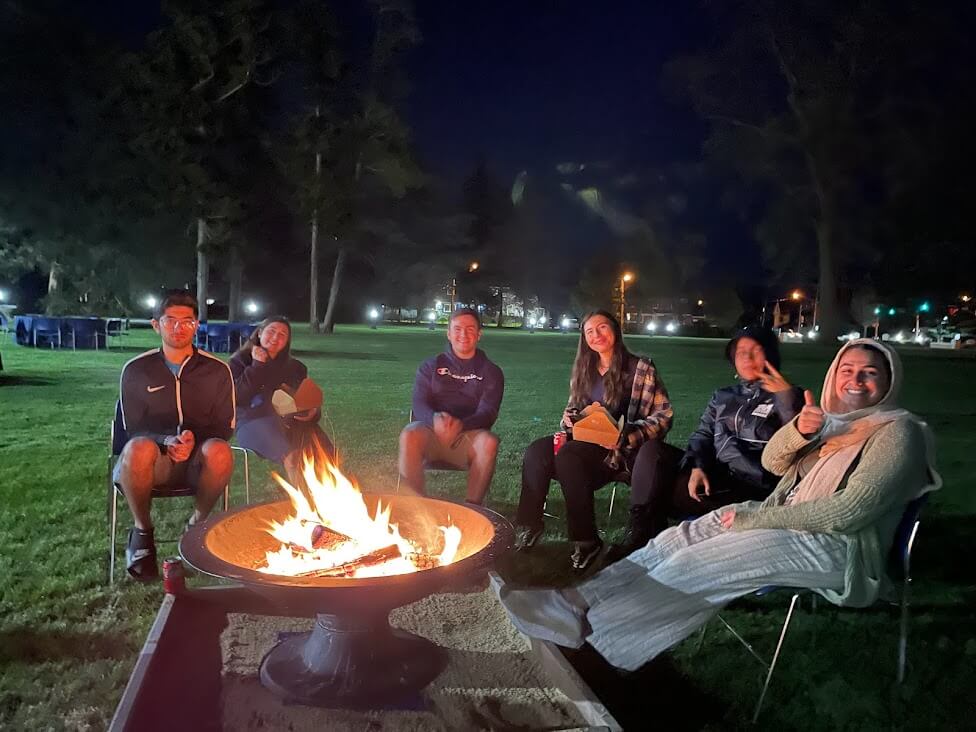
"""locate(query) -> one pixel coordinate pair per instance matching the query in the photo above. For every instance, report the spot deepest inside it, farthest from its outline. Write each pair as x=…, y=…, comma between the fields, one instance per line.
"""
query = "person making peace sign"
x=722, y=463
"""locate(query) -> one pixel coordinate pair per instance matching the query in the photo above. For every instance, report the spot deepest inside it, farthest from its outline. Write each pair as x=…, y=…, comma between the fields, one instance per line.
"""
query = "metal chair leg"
x=906, y=584
x=772, y=665
x=247, y=480
x=112, y=523
x=613, y=494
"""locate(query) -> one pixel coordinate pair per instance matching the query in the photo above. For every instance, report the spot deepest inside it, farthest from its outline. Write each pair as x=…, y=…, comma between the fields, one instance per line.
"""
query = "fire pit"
x=352, y=657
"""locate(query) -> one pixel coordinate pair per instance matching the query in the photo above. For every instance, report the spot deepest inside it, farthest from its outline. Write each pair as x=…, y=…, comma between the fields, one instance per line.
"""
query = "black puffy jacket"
x=735, y=427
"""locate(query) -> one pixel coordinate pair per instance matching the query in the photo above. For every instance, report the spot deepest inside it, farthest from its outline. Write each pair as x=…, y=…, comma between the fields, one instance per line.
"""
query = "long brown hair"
x=587, y=361
x=255, y=338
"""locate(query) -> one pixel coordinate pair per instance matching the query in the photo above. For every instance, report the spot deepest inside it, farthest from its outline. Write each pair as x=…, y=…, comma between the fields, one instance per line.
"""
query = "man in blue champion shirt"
x=456, y=398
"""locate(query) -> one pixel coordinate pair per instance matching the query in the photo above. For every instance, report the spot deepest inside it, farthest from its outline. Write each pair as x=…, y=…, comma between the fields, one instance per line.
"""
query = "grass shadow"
x=34, y=645
x=937, y=554
x=26, y=381
x=348, y=355
x=688, y=706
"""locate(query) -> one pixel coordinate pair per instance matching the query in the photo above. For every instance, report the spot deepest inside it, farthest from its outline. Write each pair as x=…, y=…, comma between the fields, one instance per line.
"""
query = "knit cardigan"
x=866, y=508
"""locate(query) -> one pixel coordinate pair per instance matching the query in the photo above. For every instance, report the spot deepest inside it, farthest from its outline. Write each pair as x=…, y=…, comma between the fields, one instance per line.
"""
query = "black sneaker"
x=584, y=552
x=526, y=537
x=140, y=555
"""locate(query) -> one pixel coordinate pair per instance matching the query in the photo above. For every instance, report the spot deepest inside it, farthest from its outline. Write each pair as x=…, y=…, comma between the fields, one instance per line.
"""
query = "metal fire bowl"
x=232, y=545
x=351, y=657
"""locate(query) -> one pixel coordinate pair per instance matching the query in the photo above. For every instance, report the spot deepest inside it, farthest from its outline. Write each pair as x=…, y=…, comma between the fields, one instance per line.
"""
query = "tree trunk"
x=328, y=325
x=203, y=268
x=54, y=278
x=313, y=275
x=827, y=316
x=313, y=258
x=236, y=277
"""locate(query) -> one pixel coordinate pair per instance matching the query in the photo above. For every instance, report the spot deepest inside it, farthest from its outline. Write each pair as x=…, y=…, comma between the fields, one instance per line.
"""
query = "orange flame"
x=336, y=503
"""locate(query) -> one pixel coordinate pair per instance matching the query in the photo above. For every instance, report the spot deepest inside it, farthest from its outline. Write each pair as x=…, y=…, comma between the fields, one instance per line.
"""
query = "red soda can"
x=174, y=577
x=558, y=440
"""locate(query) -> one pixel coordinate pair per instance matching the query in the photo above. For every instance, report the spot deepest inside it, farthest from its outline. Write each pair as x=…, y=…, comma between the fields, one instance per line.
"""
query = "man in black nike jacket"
x=178, y=408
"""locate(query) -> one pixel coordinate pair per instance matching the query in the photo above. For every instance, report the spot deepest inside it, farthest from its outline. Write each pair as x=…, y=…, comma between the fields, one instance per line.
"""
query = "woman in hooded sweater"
x=262, y=365
x=848, y=467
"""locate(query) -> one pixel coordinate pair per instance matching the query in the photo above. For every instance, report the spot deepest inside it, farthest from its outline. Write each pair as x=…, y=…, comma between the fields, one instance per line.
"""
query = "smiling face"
x=274, y=337
x=463, y=333
x=750, y=359
x=862, y=378
x=599, y=334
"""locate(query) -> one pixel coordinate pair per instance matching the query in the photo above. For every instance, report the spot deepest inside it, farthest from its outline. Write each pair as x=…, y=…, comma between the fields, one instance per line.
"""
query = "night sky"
x=530, y=85
x=526, y=85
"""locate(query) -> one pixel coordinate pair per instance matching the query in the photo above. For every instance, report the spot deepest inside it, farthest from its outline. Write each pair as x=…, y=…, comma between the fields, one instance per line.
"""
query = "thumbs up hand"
x=811, y=418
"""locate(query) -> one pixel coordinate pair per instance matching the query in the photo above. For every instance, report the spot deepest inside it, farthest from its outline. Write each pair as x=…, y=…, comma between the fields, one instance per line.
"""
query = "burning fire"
x=330, y=531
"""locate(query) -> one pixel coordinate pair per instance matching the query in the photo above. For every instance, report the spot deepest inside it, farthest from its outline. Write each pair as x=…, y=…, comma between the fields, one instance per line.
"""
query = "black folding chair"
x=117, y=442
x=899, y=563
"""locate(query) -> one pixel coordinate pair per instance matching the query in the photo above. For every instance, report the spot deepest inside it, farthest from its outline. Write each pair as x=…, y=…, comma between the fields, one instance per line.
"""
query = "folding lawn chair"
x=117, y=442
x=899, y=562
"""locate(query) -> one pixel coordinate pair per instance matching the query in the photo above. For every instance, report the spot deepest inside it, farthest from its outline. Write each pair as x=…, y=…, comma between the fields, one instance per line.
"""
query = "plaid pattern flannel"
x=649, y=415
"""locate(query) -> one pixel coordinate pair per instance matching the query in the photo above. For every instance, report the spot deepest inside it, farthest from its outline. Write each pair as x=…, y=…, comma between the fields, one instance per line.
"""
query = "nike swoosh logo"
x=151, y=389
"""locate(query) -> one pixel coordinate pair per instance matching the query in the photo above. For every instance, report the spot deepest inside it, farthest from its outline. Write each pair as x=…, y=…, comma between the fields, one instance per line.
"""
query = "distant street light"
x=373, y=315
x=700, y=303
x=922, y=308
x=564, y=324
x=151, y=301
x=671, y=327
x=651, y=327
x=473, y=267
x=796, y=295
x=3, y=295
x=624, y=279
x=251, y=307
x=432, y=320
x=210, y=301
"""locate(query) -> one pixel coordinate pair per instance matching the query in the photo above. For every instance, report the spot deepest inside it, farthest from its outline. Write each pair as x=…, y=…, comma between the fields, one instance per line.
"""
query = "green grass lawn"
x=68, y=641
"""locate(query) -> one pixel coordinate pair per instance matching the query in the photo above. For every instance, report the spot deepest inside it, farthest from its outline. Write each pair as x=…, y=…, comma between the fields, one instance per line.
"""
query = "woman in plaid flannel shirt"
x=628, y=386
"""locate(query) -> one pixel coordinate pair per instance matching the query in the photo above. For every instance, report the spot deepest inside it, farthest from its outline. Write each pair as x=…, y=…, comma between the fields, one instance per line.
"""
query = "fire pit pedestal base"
x=351, y=662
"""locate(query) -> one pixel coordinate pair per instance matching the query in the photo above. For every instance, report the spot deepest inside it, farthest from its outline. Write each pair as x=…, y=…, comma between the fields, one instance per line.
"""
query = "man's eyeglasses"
x=178, y=323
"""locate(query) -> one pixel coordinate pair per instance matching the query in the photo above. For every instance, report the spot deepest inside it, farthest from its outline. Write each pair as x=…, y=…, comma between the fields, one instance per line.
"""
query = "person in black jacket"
x=177, y=405
x=263, y=364
x=722, y=463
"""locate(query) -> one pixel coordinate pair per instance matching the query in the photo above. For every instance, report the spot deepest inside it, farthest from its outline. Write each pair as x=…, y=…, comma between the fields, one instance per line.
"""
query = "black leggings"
x=581, y=471
x=665, y=489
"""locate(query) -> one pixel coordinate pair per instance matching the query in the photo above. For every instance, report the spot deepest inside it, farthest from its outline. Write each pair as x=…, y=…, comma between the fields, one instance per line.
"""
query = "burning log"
x=323, y=536
x=349, y=568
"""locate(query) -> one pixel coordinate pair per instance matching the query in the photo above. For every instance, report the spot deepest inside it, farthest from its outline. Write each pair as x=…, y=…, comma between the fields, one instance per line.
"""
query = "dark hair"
x=880, y=352
x=587, y=360
x=180, y=298
x=255, y=338
x=763, y=336
x=465, y=311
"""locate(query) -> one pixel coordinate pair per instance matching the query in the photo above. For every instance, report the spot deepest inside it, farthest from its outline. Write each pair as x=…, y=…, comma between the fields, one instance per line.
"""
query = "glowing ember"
x=330, y=532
